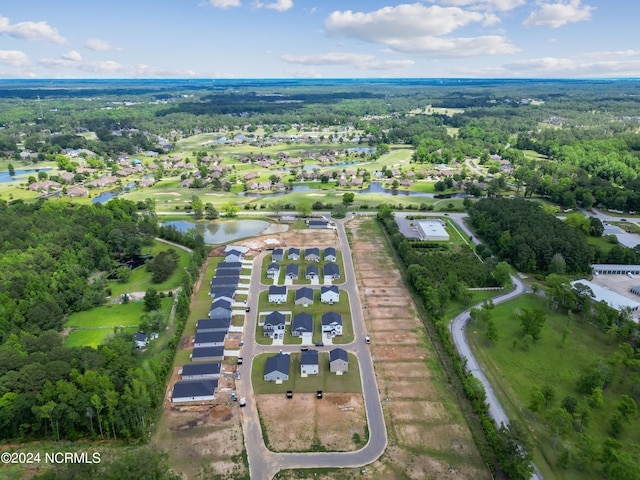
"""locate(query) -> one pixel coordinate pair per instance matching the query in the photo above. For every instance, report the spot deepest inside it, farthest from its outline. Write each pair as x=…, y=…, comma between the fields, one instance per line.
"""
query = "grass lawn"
x=316, y=310
x=325, y=380
x=140, y=280
x=93, y=327
x=203, y=301
x=554, y=363
x=601, y=242
x=423, y=187
x=477, y=296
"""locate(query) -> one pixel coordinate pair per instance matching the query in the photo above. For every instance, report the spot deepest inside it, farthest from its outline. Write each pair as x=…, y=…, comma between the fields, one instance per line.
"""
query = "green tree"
x=152, y=300
x=348, y=198
x=163, y=265
x=304, y=208
x=559, y=421
x=532, y=322
x=230, y=209
x=514, y=451
x=198, y=207
x=339, y=210
x=491, y=334
x=12, y=170
x=210, y=212
x=536, y=400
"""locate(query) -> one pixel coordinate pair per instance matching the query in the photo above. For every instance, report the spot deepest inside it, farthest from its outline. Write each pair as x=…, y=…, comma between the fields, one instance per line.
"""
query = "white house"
x=309, y=363
x=277, y=294
x=332, y=323
x=330, y=294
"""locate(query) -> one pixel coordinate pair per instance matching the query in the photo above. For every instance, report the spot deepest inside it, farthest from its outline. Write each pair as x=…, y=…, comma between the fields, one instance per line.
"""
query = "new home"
x=309, y=363
x=277, y=255
x=332, y=271
x=198, y=391
x=207, y=354
x=302, y=323
x=277, y=294
x=338, y=361
x=332, y=323
x=312, y=272
x=312, y=254
x=199, y=371
x=209, y=339
x=273, y=270
x=213, y=325
x=304, y=296
x=293, y=253
x=330, y=254
x=292, y=271
x=330, y=294
x=276, y=368
x=274, y=325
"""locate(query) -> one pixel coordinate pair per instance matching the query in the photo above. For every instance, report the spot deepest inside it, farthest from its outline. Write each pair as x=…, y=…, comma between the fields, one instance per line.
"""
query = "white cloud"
x=402, y=21
x=573, y=67
x=356, y=60
x=419, y=30
x=73, y=55
x=499, y=5
x=442, y=47
x=555, y=15
x=99, y=45
x=223, y=3
x=14, y=58
x=31, y=31
x=280, y=5
x=73, y=60
x=614, y=53
x=333, y=58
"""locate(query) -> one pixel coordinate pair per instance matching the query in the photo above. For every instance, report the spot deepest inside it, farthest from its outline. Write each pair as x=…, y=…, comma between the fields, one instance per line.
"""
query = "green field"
x=93, y=327
x=140, y=280
x=325, y=380
x=555, y=363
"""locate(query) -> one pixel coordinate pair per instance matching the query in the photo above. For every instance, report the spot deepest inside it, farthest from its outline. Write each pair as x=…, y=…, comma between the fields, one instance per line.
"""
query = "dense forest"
x=55, y=258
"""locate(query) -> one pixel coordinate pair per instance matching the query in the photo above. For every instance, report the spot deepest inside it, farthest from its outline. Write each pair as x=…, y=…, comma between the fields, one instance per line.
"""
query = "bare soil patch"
x=414, y=395
x=305, y=423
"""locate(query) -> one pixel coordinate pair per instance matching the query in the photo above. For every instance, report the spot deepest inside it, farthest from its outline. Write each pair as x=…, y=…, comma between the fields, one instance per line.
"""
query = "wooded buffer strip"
x=506, y=449
x=52, y=256
x=522, y=233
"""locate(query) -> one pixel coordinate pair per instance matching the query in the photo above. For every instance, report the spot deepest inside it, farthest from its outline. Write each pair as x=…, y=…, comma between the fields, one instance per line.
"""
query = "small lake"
x=20, y=174
x=377, y=187
x=222, y=232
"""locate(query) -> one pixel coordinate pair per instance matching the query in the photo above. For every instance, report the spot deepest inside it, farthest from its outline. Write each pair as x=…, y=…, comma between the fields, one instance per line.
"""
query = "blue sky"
x=319, y=38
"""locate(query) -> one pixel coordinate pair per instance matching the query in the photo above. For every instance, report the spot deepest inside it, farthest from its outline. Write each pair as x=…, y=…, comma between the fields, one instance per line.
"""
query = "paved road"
x=264, y=464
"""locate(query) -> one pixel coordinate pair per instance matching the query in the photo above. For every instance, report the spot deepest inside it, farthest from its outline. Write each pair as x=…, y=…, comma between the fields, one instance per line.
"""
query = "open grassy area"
x=601, y=242
x=93, y=327
x=140, y=280
x=202, y=305
x=325, y=380
x=555, y=363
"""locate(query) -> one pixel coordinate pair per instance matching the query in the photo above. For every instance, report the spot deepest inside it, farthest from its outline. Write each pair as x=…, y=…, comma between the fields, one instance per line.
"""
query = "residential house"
x=277, y=294
x=233, y=256
x=229, y=266
x=330, y=254
x=309, y=363
x=330, y=294
x=304, y=296
x=209, y=339
x=213, y=325
x=277, y=255
x=318, y=224
x=273, y=270
x=312, y=254
x=225, y=282
x=338, y=361
x=292, y=271
x=196, y=391
x=200, y=371
x=274, y=325
x=331, y=270
x=276, y=368
x=250, y=185
x=224, y=293
x=293, y=253
x=207, y=354
x=141, y=339
x=312, y=272
x=301, y=323
x=332, y=323
x=45, y=186
x=220, y=309
x=77, y=192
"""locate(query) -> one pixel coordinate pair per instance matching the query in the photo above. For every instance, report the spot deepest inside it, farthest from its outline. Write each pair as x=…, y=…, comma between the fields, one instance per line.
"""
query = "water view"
x=222, y=232
x=20, y=174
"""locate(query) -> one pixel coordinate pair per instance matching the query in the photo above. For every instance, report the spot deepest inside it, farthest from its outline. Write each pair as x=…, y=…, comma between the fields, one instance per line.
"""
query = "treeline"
x=507, y=449
x=522, y=233
x=54, y=261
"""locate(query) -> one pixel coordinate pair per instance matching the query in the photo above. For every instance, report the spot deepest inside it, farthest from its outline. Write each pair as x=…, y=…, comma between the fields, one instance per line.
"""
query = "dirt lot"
x=311, y=238
x=428, y=437
x=312, y=423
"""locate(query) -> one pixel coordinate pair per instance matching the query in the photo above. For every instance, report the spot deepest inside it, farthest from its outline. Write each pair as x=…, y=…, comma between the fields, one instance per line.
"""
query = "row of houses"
x=200, y=378
x=312, y=272
x=304, y=296
x=277, y=368
x=302, y=325
x=310, y=254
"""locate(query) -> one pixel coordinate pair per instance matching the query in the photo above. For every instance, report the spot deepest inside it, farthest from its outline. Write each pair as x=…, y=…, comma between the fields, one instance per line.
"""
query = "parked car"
x=248, y=309
x=367, y=339
x=319, y=344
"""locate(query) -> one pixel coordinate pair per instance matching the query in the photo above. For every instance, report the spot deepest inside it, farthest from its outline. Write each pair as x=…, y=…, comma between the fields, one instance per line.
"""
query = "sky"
x=319, y=39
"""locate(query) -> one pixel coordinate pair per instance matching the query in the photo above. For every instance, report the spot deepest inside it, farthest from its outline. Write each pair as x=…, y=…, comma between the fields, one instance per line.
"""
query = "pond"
x=222, y=232
x=296, y=188
x=106, y=196
x=21, y=174
x=377, y=187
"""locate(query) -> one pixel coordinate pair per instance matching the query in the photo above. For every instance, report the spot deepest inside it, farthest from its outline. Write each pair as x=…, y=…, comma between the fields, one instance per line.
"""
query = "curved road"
x=263, y=463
